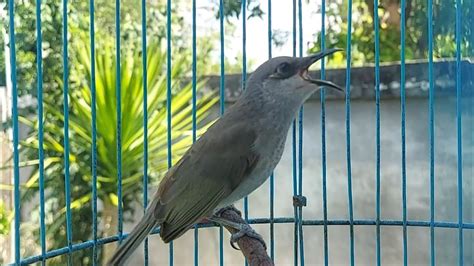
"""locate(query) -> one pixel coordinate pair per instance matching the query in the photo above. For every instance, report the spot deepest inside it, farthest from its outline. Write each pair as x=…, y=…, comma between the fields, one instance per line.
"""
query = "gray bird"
x=235, y=155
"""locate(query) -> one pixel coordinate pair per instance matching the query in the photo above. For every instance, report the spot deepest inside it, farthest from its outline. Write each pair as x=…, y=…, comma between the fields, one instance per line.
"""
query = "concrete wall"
x=363, y=182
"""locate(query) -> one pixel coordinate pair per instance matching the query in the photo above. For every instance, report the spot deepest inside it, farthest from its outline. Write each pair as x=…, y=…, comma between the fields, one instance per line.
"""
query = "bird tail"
x=133, y=240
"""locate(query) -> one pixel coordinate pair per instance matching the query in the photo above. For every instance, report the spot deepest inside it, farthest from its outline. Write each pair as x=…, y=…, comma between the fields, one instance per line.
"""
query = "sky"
x=257, y=29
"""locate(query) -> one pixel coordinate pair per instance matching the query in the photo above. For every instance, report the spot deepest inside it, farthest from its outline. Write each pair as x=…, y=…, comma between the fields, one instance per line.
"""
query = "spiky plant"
x=132, y=137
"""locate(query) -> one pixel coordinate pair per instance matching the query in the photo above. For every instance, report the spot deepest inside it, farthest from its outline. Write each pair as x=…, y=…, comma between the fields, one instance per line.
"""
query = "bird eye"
x=283, y=71
x=283, y=68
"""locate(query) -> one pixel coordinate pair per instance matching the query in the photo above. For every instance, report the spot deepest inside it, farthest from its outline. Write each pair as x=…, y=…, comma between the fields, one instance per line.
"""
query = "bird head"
x=288, y=77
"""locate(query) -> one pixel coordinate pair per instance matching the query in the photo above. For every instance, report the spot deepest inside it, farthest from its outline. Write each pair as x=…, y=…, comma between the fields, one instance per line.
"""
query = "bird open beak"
x=306, y=62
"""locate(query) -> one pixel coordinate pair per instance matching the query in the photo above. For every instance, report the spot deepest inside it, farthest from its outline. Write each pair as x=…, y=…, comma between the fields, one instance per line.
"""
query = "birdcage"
x=449, y=78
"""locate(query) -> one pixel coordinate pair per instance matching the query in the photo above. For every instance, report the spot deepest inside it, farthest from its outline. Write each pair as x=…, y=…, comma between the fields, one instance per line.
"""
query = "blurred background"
x=284, y=41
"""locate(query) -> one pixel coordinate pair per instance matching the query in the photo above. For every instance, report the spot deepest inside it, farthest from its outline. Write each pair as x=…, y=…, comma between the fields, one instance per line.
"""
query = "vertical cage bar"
x=377, y=127
x=221, y=246
x=244, y=80
x=272, y=216
x=272, y=176
x=39, y=84
x=196, y=245
x=269, y=29
x=294, y=153
x=221, y=105
x=403, y=115
x=431, y=131
x=459, y=130
x=168, y=82
x=66, y=130
x=300, y=143
x=16, y=169
x=222, y=68
x=348, y=129
x=145, y=121
x=194, y=120
x=194, y=70
x=168, y=102
x=118, y=97
x=323, y=134
x=94, y=133
x=244, y=44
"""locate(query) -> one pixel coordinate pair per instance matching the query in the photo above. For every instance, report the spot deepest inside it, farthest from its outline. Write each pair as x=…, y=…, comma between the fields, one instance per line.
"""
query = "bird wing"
x=211, y=169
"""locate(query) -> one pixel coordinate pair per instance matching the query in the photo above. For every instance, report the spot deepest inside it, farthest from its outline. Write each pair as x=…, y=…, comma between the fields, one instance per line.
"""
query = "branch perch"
x=252, y=249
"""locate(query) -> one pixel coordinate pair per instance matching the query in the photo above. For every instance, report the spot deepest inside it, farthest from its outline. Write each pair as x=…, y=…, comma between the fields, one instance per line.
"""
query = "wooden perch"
x=253, y=250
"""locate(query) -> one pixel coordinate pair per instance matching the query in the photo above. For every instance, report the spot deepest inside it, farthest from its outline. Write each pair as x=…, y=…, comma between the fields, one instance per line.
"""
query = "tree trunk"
x=110, y=223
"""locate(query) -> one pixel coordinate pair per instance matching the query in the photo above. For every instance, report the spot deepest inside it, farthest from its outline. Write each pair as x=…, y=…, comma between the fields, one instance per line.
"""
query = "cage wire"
x=296, y=135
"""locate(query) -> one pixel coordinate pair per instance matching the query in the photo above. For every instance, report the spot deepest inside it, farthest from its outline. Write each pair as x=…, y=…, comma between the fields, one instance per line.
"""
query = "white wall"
x=363, y=182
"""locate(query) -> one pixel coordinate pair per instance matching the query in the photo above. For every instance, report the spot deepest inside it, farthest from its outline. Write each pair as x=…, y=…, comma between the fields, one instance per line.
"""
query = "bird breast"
x=270, y=149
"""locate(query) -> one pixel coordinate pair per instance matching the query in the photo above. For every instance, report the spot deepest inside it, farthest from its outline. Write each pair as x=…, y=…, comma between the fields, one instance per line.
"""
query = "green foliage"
x=4, y=220
x=26, y=44
x=79, y=111
x=363, y=37
x=78, y=19
x=80, y=132
x=233, y=8
x=3, y=21
x=4, y=226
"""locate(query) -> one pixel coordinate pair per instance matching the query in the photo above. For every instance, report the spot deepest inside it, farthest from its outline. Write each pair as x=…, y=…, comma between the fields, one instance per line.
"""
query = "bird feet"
x=246, y=230
x=242, y=228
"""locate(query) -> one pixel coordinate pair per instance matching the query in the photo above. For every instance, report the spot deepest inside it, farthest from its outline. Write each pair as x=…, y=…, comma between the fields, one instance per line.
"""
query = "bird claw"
x=246, y=230
x=232, y=244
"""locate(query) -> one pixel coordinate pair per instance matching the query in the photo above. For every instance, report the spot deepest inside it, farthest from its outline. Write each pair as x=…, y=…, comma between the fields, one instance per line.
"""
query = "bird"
x=236, y=154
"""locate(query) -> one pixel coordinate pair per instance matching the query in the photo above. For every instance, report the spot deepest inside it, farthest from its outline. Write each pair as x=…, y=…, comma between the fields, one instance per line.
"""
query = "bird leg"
x=243, y=228
x=246, y=230
x=231, y=207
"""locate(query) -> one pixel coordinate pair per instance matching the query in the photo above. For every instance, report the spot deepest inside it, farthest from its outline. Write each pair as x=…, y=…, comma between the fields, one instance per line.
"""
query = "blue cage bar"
x=297, y=220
